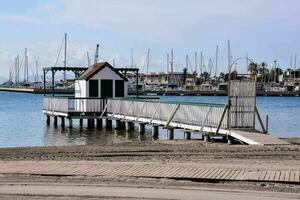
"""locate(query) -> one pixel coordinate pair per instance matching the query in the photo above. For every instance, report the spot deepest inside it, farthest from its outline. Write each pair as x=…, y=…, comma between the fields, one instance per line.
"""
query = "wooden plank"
x=297, y=176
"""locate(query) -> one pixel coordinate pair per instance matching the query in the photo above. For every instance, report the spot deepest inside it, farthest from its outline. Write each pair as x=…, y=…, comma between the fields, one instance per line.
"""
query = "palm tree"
x=263, y=71
x=253, y=69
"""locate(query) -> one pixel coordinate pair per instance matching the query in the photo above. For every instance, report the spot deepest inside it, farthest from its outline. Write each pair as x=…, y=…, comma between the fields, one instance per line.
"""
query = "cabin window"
x=119, y=88
x=106, y=88
x=93, y=88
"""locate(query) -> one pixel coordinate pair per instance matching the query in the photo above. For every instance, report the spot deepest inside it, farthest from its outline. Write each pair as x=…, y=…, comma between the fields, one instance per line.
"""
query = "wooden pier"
x=209, y=120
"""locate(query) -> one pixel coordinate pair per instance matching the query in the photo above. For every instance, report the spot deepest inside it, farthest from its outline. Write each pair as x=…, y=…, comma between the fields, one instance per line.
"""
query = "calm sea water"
x=23, y=124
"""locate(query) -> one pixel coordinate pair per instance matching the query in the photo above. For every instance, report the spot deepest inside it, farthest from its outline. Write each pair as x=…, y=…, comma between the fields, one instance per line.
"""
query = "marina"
x=93, y=103
x=149, y=100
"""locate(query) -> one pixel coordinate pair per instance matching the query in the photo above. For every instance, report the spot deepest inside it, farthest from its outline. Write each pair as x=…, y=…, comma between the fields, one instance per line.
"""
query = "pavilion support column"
x=141, y=128
x=155, y=132
x=170, y=133
x=187, y=135
x=62, y=119
x=48, y=120
x=55, y=121
x=70, y=123
x=99, y=123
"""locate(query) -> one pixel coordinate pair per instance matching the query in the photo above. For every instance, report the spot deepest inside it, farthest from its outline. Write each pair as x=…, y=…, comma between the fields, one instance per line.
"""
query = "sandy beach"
x=194, y=168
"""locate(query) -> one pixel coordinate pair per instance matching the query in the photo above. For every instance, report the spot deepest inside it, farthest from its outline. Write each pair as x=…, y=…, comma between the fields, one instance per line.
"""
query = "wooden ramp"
x=256, y=138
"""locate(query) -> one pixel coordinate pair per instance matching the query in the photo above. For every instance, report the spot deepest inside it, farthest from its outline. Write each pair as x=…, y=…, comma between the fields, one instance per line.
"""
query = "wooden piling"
x=206, y=138
x=81, y=123
x=187, y=135
x=129, y=125
x=155, y=131
x=70, y=123
x=99, y=124
x=92, y=123
x=55, y=121
x=108, y=123
x=141, y=128
x=118, y=124
x=229, y=140
x=170, y=133
x=48, y=120
x=62, y=119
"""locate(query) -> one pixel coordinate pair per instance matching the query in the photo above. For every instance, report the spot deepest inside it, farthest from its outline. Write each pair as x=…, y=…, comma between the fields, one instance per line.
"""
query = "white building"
x=101, y=80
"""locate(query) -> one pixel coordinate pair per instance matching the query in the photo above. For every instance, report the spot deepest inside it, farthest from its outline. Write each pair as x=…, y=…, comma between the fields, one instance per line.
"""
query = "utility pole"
x=148, y=60
x=132, y=63
x=96, y=54
x=65, y=58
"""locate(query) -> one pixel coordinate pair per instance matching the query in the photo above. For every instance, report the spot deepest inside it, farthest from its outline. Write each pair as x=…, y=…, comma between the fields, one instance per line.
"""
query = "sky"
x=264, y=30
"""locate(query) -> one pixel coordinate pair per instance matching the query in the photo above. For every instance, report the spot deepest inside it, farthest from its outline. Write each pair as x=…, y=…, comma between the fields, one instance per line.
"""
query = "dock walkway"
x=148, y=170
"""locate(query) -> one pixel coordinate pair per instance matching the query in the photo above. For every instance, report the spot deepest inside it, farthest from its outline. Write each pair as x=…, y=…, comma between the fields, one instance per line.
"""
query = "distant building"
x=292, y=76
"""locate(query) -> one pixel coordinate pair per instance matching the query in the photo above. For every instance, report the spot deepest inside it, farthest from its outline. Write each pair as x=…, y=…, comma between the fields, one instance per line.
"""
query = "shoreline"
x=184, y=166
x=150, y=93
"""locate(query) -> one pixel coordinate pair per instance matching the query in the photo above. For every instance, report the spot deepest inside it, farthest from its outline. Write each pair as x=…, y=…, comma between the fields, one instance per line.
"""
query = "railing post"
x=267, y=124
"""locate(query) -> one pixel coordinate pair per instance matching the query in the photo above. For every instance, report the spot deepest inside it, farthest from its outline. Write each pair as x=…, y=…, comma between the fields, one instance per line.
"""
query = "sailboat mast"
x=295, y=65
x=148, y=60
x=25, y=66
x=196, y=62
x=88, y=58
x=172, y=63
x=168, y=63
x=217, y=54
x=65, y=57
x=201, y=62
x=37, y=70
x=18, y=68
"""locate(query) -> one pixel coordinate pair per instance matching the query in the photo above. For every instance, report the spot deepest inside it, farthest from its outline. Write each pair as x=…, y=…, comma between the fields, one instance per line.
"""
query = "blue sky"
x=265, y=29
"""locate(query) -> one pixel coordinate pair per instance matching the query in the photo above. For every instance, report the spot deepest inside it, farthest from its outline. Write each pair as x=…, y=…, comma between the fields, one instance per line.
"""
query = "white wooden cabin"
x=101, y=80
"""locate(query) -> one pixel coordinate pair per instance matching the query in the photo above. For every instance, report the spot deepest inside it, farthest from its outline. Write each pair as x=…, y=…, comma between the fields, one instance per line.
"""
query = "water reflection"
x=59, y=136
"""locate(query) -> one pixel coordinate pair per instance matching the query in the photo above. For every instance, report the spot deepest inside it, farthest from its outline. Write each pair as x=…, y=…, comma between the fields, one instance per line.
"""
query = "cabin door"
x=106, y=88
x=93, y=88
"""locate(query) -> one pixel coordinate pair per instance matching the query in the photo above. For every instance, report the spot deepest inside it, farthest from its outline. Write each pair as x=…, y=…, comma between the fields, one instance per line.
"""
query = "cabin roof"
x=95, y=68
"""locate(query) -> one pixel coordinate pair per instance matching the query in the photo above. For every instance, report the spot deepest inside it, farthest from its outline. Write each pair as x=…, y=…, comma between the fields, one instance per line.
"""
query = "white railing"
x=70, y=104
x=208, y=115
